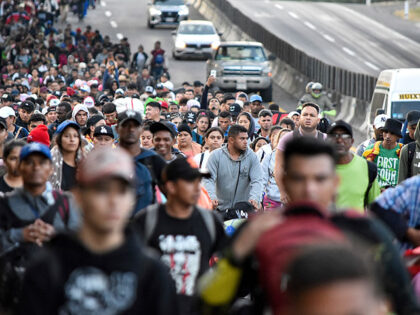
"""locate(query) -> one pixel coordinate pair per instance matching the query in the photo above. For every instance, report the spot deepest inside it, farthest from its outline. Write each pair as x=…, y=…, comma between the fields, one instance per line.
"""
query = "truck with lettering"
x=397, y=92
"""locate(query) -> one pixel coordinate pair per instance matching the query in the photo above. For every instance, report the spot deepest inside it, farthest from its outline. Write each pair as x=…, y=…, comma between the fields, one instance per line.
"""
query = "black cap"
x=3, y=123
x=181, y=168
x=393, y=126
x=341, y=124
x=28, y=106
x=129, y=115
x=191, y=117
x=197, y=84
x=103, y=131
x=413, y=117
x=235, y=109
x=184, y=127
x=166, y=126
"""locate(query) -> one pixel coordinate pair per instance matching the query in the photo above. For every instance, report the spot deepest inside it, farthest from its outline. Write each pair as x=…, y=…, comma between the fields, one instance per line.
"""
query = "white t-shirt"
x=198, y=158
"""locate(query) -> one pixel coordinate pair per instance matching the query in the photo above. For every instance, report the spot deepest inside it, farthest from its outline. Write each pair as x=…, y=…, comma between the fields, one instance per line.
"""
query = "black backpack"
x=411, y=147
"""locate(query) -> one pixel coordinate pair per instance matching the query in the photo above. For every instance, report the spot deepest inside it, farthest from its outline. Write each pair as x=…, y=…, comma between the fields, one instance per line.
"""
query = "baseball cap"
x=293, y=113
x=191, y=117
x=104, y=163
x=119, y=91
x=380, y=120
x=166, y=126
x=6, y=112
x=235, y=109
x=103, y=131
x=163, y=104
x=3, y=123
x=182, y=168
x=413, y=117
x=160, y=86
x=149, y=89
x=129, y=115
x=89, y=102
x=193, y=103
x=28, y=106
x=255, y=98
x=35, y=147
x=341, y=124
x=65, y=124
x=54, y=102
x=85, y=88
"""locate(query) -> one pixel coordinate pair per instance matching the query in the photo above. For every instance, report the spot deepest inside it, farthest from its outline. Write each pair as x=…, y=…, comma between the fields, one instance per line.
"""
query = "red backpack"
x=304, y=225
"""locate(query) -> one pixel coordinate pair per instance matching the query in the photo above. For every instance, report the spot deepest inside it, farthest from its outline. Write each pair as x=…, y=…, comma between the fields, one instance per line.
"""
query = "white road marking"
x=108, y=13
x=349, y=52
x=329, y=38
x=293, y=15
x=261, y=15
x=280, y=7
x=103, y=3
x=120, y=36
x=113, y=24
x=311, y=26
x=371, y=65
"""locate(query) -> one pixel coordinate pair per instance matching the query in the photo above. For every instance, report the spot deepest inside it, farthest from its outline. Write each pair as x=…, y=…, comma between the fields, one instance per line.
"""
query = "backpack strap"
x=17, y=133
x=372, y=173
x=411, y=147
x=296, y=133
x=63, y=206
x=320, y=135
x=208, y=219
x=151, y=220
x=201, y=160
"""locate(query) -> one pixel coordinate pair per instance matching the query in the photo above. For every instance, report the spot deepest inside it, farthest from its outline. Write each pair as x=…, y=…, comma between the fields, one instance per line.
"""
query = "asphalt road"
x=335, y=34
x=128, y=18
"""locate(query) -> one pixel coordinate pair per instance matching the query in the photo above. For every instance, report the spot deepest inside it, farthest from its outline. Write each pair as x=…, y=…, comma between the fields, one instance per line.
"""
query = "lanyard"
x=33, y=209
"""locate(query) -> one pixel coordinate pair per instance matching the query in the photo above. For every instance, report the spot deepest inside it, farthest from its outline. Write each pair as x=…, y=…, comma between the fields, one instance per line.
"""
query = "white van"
x=397, y=92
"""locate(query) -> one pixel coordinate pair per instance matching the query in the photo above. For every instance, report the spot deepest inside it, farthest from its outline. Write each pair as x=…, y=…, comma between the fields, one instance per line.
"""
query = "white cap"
x=54, y=102
x=380, y=120
x=291, y=114
x=169, y=85
x=149, y=89
x=89, y=102
x=6, y=112
x=240, y=103
x=85, y=88
x=192, y=103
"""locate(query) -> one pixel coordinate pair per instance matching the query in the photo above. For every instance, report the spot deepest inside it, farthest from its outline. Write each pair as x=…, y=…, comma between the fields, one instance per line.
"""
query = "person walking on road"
x=410, y=158
x=377, y=126
x=236, y=174
x=386, y=154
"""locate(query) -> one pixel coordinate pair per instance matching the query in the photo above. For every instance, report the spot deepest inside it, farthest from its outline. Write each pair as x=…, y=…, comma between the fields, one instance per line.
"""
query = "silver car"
x=195, y=39
x=166, y=12
x=242, y=66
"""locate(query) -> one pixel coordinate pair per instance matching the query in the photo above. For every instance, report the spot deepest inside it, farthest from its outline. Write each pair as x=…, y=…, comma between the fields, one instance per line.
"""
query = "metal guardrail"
x=358, y=85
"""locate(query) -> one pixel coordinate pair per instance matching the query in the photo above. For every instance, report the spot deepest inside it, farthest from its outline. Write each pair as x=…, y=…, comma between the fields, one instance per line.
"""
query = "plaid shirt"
x=404, y=199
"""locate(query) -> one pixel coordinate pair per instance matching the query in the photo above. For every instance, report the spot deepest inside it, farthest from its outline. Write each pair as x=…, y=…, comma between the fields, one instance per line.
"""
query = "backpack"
x=304, y=225
x=411, y=147
x=152, y=213
x=13, y=260
x=159, y=59
x=372, y=173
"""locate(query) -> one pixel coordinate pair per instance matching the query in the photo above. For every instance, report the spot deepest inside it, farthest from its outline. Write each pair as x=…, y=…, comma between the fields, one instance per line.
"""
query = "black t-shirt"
x=67, y=278
x=69, y=177
x=3, y=185
x=185, y=246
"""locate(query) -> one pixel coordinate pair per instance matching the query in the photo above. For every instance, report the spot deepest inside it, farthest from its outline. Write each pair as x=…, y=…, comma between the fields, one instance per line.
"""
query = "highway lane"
x=128, y=18
x=335, y=34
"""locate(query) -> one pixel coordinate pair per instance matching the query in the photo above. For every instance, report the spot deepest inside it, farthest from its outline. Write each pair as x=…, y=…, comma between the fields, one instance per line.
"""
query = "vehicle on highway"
x=166, y=12
x=242, y=66
x=397, y=92
x=195, y=38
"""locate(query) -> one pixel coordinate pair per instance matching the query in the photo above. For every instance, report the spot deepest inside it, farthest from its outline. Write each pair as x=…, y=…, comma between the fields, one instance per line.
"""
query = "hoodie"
x=77, y=109
x=231, y=180
x=415, y=166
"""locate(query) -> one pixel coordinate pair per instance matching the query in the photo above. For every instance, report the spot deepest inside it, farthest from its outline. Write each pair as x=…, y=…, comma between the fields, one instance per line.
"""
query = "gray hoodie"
x=226, y=178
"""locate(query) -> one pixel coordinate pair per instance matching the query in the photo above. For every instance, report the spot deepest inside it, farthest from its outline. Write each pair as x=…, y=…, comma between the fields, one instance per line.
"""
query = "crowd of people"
x=121, y=193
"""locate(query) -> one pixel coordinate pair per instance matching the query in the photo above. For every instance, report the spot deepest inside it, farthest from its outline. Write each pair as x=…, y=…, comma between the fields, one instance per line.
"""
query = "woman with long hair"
x=66, y=154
